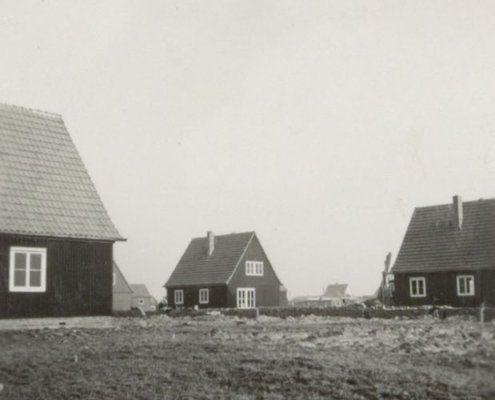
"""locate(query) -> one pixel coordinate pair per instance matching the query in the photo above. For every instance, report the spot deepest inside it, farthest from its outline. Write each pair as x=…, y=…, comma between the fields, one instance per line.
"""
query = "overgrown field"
x=221, y=357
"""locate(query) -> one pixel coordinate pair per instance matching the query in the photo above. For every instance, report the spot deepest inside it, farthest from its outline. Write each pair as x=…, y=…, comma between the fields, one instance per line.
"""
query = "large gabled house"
x=225, y=271
x=56, y=238
x=448, y=256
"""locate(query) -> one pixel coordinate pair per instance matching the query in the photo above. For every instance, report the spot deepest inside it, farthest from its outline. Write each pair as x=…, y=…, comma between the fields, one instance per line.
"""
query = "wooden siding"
x=267, y=286
x=217, y=296
x=441, y=289
x=78, y=281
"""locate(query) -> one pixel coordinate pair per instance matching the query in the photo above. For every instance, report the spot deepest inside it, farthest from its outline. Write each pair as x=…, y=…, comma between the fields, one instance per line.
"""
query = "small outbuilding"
x=225, y=271
x=448, y=256
x=141, y=298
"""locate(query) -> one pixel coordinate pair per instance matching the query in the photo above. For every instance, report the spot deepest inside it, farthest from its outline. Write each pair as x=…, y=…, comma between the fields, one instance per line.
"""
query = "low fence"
x=385, y=313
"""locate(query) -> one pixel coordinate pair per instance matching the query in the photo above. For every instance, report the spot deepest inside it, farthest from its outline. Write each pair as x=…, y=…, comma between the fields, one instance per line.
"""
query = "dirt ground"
x=218, y=357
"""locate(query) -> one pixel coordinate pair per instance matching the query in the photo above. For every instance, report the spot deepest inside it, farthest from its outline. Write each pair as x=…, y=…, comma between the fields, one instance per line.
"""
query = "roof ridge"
x=34, y=110
x=449, y=204
x=226, y=234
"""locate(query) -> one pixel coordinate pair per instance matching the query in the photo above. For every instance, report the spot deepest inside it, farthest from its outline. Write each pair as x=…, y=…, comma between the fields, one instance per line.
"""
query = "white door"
x=246, y=298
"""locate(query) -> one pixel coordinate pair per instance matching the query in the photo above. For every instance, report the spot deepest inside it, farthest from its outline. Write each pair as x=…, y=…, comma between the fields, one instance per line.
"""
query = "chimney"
x=211, y=242
x=458, y=213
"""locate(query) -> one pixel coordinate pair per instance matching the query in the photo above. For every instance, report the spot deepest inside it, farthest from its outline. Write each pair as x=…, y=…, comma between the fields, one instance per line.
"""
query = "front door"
x=246, y=298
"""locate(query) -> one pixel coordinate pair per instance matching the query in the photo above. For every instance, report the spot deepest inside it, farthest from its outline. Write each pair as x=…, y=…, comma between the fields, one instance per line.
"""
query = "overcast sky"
x=318, y=124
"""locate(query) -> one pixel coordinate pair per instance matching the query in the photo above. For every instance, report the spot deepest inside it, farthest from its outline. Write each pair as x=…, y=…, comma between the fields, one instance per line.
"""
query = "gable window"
x=179, y=297
x=465, y=285
x=417, y=287
x=27, y=272
x=254, y=268
x=204, y=296
x=141, y=302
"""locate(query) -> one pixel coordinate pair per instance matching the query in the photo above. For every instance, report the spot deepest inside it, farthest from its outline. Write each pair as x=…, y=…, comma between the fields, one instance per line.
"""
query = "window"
x=254, y=268
x=204, y=296
x=27, y=269
x=141, y=302
x=179, y=297
x=417, y=287
x=465, y=285
x=246, y=298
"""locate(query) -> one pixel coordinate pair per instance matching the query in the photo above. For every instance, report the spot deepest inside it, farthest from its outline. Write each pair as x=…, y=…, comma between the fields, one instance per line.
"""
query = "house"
x=56, y=238
x=338, y=291
x=142, y=298
x=335, y=295
x=225, y=271
x=122, y=292
x=448, y=256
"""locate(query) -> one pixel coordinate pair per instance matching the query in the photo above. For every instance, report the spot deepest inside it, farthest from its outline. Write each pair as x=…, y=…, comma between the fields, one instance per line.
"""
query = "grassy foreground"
x=228, y=358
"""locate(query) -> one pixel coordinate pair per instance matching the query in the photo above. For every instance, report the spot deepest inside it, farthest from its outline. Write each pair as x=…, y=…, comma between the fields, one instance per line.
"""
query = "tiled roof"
x=433, y=243
x=139, y=290
x=197, y=268
x=336, y=290
x=45, y=189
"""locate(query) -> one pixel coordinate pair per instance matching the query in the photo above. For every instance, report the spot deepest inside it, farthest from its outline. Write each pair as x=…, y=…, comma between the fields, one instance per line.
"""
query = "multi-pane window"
x=246, y=298
x=179, y=297
x=465, y=285
x=204, y=297
x=27, y=269
x=254, y=268
x=417, y=287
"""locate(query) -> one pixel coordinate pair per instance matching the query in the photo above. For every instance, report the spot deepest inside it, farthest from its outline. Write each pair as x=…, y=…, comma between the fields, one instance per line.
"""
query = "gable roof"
x=139, y=290
x=197, y=268
x=121, y=284
x=336, y=290
x=432, y=243
x=45, y=189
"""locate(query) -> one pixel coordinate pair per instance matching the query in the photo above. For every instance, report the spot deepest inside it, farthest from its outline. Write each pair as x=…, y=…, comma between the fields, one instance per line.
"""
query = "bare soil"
x=219, y=357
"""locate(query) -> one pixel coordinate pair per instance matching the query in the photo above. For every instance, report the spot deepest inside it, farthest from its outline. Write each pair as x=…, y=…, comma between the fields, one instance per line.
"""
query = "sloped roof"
x=336, y=290
x=197, y=268
x=121, y=286
x=45, y=189
x=433, y=243
x=139, y=290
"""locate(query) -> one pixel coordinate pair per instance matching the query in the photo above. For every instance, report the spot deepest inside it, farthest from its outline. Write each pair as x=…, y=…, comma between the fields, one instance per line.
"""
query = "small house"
x=338, y=291
x=225, y=271
x=447, y=256
x=141, y=298
x=56, y=238
x=122, y=292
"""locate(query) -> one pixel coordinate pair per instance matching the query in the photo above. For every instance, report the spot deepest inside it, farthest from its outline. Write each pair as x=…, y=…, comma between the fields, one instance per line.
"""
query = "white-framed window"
x=204, y=296
x=417, y=287
x=254, y=268
x=141, y=302
x=27, y=272
x=246, y=298
x=114, y=278
x=465, y=285
x=179, y=296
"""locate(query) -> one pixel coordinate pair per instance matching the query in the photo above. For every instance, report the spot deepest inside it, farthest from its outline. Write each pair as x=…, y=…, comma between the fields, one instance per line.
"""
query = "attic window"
x=27, y=271
x=465, y=285
x=417, y=287
x=254, y=268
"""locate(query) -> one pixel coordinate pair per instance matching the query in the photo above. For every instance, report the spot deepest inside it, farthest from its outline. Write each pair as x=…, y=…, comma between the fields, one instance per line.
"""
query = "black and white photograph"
x=247, y=199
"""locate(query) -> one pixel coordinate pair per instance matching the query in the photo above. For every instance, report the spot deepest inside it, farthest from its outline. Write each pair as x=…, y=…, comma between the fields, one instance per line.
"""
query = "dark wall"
x=218, y=296
x=267, y=286
x=443, y=287
x=78, y=280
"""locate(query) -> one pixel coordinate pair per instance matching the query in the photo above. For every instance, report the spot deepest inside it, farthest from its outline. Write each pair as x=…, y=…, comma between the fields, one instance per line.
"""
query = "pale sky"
x=318, y=124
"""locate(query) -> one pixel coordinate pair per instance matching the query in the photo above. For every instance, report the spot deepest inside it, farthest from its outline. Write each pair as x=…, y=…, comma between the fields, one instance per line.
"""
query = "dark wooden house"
x=122, y=292
x=225, y=271
x=448, y=256
x=56, y=237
